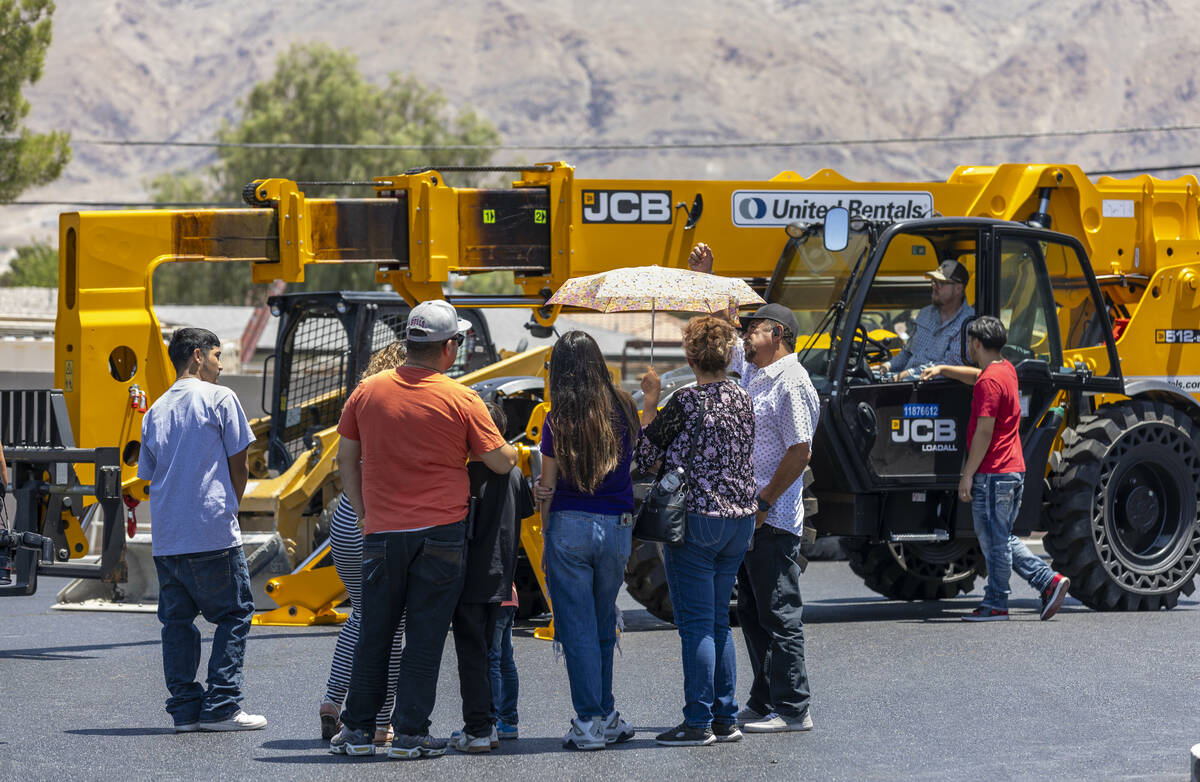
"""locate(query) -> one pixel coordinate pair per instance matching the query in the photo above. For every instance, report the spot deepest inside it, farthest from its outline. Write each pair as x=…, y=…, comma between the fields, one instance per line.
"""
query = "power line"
x=1144, y=170
x=632, y=146
x=239, y=204
x=133, y=204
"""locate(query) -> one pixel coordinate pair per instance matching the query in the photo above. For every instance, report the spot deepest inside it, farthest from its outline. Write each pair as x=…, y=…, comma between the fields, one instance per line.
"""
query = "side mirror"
x=837, y=229
x=538, y=330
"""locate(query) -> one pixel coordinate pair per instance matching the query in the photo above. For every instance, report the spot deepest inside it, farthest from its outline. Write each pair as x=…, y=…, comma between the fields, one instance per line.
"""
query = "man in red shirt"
x=994, y=475
x=405, y=439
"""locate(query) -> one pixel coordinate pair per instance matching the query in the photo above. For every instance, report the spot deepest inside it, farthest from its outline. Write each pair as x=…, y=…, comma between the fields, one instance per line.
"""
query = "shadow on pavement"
x=121, y=732
x=525, y=746
x=296, y=744
x=50, y=653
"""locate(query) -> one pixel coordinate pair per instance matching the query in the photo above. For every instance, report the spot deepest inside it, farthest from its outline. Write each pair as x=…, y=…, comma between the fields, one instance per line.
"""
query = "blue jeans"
x=215, y=584
x=700, y=574
x=995, y=503
x=585, y=559
x=504, y=669
x=415, y=577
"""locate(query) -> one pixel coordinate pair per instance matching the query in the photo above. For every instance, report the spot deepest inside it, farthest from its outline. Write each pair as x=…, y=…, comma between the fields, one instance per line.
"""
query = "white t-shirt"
x=188, y=435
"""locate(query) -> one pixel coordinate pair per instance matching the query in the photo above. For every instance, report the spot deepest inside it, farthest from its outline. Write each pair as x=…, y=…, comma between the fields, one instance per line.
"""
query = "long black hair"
x=583, y=400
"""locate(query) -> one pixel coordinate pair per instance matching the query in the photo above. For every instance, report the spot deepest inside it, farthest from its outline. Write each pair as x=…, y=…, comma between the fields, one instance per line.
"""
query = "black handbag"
x=663, y=515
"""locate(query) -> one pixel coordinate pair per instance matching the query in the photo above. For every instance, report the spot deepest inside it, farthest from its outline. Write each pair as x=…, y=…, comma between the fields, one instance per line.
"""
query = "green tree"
x=26, y=158
x=36, y=265
x=489, y=284
x=318, y=95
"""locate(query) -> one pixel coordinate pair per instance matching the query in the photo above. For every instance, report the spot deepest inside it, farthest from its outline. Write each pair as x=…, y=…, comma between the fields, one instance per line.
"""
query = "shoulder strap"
x=696, y=429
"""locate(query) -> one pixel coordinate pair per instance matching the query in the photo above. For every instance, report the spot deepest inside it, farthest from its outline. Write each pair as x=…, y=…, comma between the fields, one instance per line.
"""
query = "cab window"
x=1027, y=306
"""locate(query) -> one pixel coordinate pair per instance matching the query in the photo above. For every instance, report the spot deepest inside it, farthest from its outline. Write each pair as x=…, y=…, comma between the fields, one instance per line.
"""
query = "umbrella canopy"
x=653, y=288
x=650, y=288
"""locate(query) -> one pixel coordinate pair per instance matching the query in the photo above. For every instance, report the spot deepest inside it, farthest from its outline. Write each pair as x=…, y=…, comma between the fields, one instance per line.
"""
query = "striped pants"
x=346, y=542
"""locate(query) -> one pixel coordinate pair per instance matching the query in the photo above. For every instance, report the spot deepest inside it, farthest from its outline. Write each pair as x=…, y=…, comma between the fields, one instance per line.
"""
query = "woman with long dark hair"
x=587, y=511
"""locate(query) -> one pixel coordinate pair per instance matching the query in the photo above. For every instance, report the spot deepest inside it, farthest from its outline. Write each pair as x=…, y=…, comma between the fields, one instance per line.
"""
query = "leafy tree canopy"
x=318, y=95
x=36, y=265
x=26, y=159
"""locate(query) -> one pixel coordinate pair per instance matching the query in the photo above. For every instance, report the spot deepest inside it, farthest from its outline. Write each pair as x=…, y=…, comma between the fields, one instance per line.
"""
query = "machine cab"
x=891, y=447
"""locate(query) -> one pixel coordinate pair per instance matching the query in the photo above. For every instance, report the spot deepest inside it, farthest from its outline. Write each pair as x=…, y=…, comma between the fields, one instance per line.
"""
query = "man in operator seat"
x=939, y=325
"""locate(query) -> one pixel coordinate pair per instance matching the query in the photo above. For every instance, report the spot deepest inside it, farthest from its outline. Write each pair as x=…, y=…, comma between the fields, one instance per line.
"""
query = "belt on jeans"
x=776, y=530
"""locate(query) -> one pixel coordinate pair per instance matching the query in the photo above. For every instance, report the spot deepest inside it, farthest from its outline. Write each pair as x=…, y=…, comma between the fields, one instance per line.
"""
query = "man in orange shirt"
x=405, y=440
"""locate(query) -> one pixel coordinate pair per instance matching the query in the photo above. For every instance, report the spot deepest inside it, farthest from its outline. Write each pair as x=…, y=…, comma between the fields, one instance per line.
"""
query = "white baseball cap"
x=435, y=321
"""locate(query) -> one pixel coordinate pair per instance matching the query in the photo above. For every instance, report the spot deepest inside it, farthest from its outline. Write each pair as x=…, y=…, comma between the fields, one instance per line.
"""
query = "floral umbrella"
x=653, y=288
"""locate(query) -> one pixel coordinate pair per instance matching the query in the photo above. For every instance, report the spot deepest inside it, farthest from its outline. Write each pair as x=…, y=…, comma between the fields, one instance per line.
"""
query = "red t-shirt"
x=417, y=428
x=996, y=396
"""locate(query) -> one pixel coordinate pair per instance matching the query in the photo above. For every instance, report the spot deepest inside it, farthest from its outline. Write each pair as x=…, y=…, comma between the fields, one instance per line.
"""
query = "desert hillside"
x=551, y=73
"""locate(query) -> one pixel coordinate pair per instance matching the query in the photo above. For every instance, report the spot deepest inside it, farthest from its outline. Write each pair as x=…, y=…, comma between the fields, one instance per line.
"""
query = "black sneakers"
x=406, y=747
x=352, y=742
x=726, y=732
x=682, y=735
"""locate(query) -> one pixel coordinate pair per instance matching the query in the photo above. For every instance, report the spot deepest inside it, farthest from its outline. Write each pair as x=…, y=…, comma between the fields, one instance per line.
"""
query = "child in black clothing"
x=501, y=501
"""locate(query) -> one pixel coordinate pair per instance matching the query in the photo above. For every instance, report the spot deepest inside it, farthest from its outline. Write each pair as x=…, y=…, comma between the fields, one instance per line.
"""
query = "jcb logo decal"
x=933, y=434
x=627, y=206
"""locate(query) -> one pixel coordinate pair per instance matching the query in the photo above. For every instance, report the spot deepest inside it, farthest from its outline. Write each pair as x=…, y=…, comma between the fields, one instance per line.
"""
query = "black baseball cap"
x=776, y=312
x=950, y=271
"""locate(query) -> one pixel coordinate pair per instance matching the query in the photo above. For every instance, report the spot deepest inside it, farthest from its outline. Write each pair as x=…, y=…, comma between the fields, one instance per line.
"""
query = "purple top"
x=613, y=496
x=721, y=472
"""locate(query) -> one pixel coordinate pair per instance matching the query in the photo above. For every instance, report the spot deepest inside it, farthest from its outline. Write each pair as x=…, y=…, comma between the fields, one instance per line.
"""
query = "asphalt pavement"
x=901, y=691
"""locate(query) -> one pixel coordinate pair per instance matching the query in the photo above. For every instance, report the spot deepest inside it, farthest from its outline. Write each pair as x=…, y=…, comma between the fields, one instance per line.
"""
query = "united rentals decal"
x=778, y=208
x=627, y=206
x=921, y=425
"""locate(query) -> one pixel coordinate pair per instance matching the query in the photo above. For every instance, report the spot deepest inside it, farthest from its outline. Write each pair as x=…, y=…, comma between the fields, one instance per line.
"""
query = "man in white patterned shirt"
x=770, y=609
x=939, y=325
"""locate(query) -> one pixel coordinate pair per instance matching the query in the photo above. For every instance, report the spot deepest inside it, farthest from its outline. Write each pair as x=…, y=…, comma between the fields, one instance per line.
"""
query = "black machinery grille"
x=387, y=329
x=317, y=380
x=28, y=419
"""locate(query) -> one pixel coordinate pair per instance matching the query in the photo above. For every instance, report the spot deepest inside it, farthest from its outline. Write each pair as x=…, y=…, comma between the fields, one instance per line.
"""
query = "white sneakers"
x=598, y=733
x=585, y=735
x=747, y=714
x=240, y=720
x=773, y=723
x=461, y=741
x=616, y=729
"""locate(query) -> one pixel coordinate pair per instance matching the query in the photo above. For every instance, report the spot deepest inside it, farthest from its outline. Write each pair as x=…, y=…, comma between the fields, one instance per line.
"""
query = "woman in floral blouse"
x=721, y=508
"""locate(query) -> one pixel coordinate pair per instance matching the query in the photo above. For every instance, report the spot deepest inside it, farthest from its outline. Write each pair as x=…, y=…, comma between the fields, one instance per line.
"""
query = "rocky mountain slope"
x=553, y=73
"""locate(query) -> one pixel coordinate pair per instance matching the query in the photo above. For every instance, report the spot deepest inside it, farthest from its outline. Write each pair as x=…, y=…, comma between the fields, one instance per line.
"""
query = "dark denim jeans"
x=215, y=584
x=995, y=504
x=700, y=574
x=421, y=573
x=505, y=686
x=474, y=625
x=585, y=559
x=771, y=613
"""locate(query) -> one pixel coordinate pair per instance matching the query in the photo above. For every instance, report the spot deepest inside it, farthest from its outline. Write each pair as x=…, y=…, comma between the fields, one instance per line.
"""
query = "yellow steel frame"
x=1136, y=226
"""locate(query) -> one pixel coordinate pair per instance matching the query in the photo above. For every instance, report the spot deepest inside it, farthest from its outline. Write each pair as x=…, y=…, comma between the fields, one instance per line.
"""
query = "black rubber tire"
x=646, y=580
x=1122, y=513
x=530, y=600
x=916, y=571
